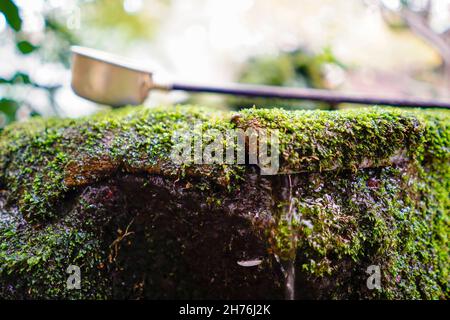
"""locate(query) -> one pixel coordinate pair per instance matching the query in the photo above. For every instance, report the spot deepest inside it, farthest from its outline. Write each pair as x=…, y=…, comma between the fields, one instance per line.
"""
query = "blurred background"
x=385, y=47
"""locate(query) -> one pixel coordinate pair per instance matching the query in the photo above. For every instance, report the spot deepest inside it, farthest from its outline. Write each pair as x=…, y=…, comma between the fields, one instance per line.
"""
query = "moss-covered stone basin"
x=367, y=187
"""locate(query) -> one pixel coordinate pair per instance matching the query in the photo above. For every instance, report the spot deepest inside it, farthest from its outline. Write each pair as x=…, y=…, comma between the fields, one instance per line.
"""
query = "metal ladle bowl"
x=107, y=79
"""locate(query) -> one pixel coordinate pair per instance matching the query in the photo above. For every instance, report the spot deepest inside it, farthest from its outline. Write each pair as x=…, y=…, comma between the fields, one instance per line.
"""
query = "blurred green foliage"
x=11, y=13
x=9, y=106
x=298, y=68
x=103, y=24
x=110, y=16
x=25, y=47
x=8, y=109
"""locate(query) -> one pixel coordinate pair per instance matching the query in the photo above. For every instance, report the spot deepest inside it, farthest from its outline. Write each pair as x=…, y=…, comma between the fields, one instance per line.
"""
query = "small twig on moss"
x=115, y=245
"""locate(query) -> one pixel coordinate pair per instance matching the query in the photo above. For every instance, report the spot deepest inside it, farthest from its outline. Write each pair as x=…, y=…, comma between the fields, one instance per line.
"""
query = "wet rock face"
x=160, y=238
x=167, y=241
x=97, y=195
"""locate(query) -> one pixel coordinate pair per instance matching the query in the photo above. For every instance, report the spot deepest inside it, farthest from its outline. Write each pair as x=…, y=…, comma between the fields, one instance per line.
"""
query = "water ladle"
x=107, y=79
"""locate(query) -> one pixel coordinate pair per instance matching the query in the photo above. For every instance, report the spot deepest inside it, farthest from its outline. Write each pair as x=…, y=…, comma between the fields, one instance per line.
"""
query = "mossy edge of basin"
x=38, y=158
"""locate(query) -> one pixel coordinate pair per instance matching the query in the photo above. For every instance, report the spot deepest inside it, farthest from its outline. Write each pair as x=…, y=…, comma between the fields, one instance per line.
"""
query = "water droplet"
x=308, y=224
x=250, y=263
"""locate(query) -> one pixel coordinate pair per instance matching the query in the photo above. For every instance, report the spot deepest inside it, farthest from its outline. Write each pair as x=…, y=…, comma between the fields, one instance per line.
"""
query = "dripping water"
x=288, y=267
x=289, y=281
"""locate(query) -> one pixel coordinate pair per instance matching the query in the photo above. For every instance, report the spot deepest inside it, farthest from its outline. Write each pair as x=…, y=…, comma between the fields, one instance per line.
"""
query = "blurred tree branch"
x=418, y=21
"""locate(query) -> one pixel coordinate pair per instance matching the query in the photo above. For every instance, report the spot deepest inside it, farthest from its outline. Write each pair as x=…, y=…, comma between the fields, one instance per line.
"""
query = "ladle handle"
x=309, y=94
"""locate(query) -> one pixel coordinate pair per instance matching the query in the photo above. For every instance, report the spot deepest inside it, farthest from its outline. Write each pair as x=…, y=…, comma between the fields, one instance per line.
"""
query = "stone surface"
x=355, y=188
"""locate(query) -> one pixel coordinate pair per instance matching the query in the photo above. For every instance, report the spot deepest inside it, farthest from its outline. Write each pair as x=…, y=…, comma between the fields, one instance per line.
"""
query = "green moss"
x=375, y=188
x=391, y=217
x=31, y=259
x=139, y=138
x=35, y=156
x=323, y=140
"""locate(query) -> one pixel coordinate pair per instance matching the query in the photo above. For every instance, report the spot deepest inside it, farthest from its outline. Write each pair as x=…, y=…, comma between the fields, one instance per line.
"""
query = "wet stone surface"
x=100, y=193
